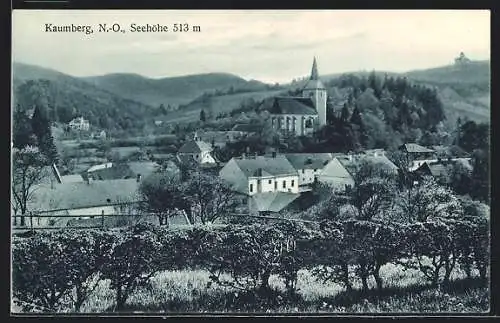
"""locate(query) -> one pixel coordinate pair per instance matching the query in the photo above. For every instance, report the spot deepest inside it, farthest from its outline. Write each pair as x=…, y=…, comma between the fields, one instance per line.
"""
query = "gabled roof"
x=116, y=171
x=272, y=201
x=193, y=146
x=289, y=105
x=414, y=148
x=83, y=195
x=267, y=166
x=309, y=160
x=335, y=169
x=351, y=163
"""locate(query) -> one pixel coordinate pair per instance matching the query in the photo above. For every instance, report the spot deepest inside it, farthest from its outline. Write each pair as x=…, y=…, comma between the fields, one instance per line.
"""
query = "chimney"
x=138, y=178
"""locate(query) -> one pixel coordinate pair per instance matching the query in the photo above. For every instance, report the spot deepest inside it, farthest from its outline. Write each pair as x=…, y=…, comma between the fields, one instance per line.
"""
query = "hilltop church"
x=300, y=115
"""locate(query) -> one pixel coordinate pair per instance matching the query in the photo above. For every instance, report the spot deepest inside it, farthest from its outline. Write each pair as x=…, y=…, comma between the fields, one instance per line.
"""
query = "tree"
x=202, y=116
x=133, y=261
x=373, y=190
x=162, y=194
x=344, y=115
x=210, y=196
x=429, y=200
x=41, y=129
x=22, y=133
x=28, y=171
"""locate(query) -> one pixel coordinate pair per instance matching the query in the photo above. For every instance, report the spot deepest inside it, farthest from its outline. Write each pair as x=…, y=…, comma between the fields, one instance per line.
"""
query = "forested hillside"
x=172, y=90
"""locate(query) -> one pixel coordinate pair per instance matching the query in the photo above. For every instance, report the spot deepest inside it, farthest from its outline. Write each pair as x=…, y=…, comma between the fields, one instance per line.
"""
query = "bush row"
x=51, y=269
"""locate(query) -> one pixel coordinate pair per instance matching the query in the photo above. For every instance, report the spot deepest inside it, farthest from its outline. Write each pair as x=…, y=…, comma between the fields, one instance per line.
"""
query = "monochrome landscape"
x=250, y=162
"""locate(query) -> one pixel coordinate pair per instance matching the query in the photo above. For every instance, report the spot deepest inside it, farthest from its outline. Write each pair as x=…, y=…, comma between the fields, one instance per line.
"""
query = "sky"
x=267, y=45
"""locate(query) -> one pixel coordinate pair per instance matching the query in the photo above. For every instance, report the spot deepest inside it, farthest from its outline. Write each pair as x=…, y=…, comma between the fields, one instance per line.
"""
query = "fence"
x=98, y=221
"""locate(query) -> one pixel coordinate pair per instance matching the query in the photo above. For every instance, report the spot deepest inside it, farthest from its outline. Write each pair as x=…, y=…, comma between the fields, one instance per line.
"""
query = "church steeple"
x=314, y=70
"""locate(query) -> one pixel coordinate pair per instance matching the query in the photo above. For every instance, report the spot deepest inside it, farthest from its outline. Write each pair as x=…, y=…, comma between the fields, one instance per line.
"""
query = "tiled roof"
x=289, y=105
x=278, y=165
x=351, y=163
x=195, y=147
x=309, y=160
x=272, y=201
x=414, y=148
x=82, y=195
x=117, y=171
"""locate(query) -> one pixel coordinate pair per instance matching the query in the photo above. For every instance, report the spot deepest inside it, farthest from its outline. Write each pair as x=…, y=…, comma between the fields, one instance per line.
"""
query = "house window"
x=293, y=182
x=251, y=188
x=303, y=171
x=315, y=170
x=275, y=185
x=258, y=182
x=284, y=184
x=197, y=156
x=269, y=182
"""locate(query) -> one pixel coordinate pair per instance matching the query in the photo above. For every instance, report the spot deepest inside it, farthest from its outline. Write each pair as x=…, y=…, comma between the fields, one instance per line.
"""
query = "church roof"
x=314, y=82
x=289, y=105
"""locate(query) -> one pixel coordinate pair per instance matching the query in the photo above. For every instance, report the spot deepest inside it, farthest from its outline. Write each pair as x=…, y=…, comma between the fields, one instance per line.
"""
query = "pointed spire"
x=314, y=71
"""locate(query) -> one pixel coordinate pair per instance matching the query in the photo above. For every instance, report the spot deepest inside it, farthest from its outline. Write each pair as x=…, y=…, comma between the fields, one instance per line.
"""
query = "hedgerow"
x=50, y=268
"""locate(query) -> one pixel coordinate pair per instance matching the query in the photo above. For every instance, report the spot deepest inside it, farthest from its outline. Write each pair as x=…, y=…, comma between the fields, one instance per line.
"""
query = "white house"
x=196, y=150
x=270, y=182
x=84, y=199
x=308, y=165
x=261, y=174
x=79, y=124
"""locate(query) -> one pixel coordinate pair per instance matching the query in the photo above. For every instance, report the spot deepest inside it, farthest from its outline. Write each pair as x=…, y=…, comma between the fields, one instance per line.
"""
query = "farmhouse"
x=340, y=172
x=308, y=165
x=88, y=199
x=299, y=115
x=270, y=182
x=196, y=150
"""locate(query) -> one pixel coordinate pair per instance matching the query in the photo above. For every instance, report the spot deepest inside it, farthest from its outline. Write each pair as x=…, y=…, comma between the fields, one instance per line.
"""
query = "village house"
x=196, y=150
x=79, y=124
x=269, y=182
x=84, y=200
x=417, y=155
x=340, y=172
x=299, y=115
x=441, y=169
x=308, y=166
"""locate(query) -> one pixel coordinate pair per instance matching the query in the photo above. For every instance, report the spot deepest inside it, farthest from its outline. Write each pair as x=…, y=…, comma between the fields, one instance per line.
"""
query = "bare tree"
x=29, y=168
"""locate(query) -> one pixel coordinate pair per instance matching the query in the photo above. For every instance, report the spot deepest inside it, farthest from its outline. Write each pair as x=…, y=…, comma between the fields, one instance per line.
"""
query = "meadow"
x=192, y=291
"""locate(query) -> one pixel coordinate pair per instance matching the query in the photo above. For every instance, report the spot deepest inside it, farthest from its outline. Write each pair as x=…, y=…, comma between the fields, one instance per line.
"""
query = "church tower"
x=315, y=90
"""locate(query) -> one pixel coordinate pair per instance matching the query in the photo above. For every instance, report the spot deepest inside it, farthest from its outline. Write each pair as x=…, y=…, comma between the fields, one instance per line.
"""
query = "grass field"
x=192, y=291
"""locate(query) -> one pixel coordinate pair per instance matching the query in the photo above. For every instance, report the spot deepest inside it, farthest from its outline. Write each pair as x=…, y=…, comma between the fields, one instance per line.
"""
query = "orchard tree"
x=428, y=200
x=210, y=196
x=28, y=170
x=162, y=194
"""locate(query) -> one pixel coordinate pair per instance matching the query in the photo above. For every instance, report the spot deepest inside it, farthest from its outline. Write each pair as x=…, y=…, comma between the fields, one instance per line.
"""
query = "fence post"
x=31, y=220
